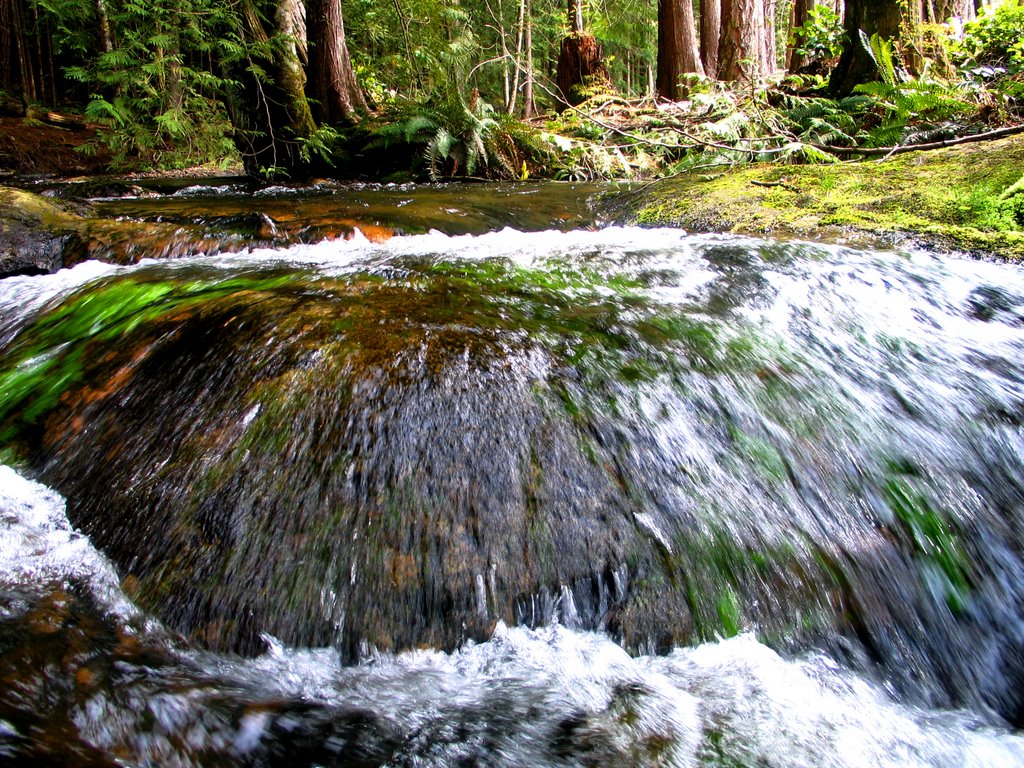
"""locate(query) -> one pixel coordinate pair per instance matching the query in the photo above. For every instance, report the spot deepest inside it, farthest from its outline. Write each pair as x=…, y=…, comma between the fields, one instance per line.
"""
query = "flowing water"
x=563, y=497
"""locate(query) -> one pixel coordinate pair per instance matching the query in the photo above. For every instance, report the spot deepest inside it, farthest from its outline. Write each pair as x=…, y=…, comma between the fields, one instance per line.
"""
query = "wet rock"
x=39, y=235
x=992, y=302
x=404, y=454
x=77, y=686
x=34, y=233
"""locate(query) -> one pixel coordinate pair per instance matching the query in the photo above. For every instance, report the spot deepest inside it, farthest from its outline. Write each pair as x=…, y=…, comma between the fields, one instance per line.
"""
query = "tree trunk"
x=771, y=55
x=710, y=33
x=581, y=61
x=678, y=52
x=104, y=40
x=519, y=68
x=798, y=17
x=271, y=116
x=856, y=64
x=575, y=18
x=528, y=104
x=741, y=47
x=15, y=48
x=332, y=78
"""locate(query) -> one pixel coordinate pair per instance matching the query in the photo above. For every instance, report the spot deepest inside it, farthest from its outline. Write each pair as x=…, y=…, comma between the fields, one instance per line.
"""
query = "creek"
x=564, y=494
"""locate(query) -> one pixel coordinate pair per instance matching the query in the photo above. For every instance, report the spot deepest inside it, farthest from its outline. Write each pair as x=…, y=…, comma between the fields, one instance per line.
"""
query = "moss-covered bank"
x=969, y=198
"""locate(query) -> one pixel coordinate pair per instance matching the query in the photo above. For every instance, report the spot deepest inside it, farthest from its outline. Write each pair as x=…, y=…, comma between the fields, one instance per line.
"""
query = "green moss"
x=759, y=454
x=959, y=197
x=728, y=609
x=9, y=457
x=933, y=542
x=730, y=584
x=50, y=355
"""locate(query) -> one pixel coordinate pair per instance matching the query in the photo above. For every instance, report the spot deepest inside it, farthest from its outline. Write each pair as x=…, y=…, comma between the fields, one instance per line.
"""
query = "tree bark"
x=856, y=64
x=678, y=52
x=519, y=68
x=332, y=78
x=710, y=33
x=581, y=60
x=742, y=45
x=528, y=103
x=771, y=58
x=575, y=8
x=104, y=40
x=797, y=18
x=271, y=116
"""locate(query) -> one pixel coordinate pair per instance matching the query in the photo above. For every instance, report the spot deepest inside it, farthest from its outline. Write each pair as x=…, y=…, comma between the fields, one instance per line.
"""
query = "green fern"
x=418, y=126
x=439, y=150
x=459, y=138
x=881, y=51
x=824, y=121
x=913, y=108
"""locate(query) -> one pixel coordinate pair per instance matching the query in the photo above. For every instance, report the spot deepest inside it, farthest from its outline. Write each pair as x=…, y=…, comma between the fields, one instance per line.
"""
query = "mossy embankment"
x=969, y=198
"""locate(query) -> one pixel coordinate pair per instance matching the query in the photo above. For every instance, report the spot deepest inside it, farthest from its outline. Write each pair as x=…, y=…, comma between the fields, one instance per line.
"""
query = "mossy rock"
x=958, y=198
x=34, y=232
x=39, y=235
x=414, y=454
x=406, y=453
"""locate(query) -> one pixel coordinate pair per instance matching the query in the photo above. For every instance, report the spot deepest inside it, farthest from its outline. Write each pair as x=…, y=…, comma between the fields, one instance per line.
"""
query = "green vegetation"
x=964, y=198
x=442, y=89
x=932, y=541
x=51, y=357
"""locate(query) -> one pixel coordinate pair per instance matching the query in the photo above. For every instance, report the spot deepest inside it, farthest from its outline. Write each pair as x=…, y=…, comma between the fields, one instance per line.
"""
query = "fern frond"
x=438, y=150
x=881, y=51
x=416, y=125
x=885, y=136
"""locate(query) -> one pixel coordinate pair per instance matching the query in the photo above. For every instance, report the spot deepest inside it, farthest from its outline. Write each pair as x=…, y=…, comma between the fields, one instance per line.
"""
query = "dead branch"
x=900, y=149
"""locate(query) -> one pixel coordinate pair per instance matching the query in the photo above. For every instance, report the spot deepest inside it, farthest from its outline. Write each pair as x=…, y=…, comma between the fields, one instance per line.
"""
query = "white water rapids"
x=507, y=701
x=552, y=696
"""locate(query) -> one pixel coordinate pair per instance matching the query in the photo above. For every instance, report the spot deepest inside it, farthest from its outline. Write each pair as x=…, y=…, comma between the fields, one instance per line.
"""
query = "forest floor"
x=32, y=147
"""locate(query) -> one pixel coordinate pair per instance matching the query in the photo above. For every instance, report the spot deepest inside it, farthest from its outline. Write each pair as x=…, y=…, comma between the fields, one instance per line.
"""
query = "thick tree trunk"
x=678, y=52
x=581, y=60
x=581, y=68
x=332, y=78
x=271, y=117
x=857, y=65
x=710, y=33
x=742, y=45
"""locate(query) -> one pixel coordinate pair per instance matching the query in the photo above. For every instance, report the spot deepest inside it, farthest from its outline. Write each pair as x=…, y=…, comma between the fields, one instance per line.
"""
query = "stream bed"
x=510, y=488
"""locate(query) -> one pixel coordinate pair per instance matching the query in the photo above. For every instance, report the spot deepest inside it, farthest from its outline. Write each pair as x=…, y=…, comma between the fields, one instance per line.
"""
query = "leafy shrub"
x=995, y=39
x=821, y=37
x=455, y=138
